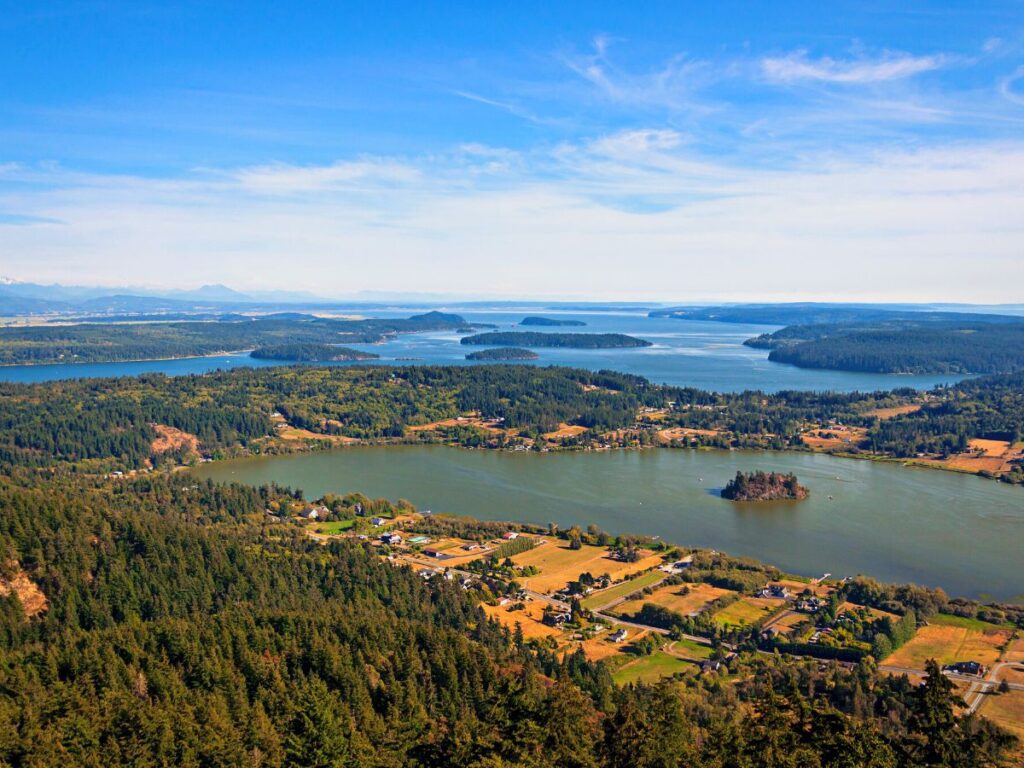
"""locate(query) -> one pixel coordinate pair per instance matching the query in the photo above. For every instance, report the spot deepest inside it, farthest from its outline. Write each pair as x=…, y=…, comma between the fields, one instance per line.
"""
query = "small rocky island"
x=550, y=321
x=503, y=353
x=764, y=486
x=311, y=353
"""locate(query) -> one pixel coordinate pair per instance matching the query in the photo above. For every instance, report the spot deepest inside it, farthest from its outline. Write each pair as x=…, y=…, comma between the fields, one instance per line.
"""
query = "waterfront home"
x=777, y=591
x=510, y=535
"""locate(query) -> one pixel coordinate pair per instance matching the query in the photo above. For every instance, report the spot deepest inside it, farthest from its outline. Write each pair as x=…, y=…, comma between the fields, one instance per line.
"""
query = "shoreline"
x=220, y=353
x=626, y=531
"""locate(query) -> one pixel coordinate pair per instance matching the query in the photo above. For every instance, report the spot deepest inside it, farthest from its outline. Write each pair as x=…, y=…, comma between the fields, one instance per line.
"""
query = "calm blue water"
x=699, y=354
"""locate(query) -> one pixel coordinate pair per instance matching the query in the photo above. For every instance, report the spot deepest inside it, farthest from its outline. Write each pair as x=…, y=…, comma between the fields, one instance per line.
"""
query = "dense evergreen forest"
x=91, y=342
x=311, y=353
x=958, y=348
x=570, y=340
x=184, y=626
x=110, y=421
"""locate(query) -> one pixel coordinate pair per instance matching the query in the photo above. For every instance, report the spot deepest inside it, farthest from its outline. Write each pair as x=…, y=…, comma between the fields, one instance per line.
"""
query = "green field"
x=948, y=620
x=692, y=649
x=622, y=590
x=649, y=669
x=742, y=613
x=337, y=526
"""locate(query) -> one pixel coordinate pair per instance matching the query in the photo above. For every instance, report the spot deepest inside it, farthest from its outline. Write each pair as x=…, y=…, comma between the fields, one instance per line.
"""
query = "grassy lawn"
x=947, y=620
x=649, y=669
x=621, y=590
x=697, y=596
x=749, y=610
x=558, y=565
x=336, y=526
x=691, y=649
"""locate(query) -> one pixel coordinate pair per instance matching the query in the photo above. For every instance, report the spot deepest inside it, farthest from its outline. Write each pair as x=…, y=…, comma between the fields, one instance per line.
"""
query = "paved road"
x=624, y=598
x=979, y=689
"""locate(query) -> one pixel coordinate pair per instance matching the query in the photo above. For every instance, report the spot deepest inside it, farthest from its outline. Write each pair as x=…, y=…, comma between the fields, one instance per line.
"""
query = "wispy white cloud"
x=798, y=66
x=674, y=84
x=1008, y=86
x=282, y=178
x=631, y=214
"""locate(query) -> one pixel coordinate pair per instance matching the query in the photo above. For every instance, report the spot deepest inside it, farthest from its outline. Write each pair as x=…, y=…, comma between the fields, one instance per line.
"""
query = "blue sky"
x=671, y=151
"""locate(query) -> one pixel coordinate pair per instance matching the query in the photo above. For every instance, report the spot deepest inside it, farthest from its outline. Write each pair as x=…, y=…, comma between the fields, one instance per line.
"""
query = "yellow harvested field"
x=601, y=647
x=459, y=421
x=790, y=620
x=288, y=432
x=530, y=619
x=1007, y=710
x=565, y=430
x=834, y=438
x=994, y=456
x=657, y=414
x=678, y=433
x=747, y=611
x=949, y=644
x=669, y=597
x=897, y=410
x=1016, y=651
x=990, y=447
x=558, y=565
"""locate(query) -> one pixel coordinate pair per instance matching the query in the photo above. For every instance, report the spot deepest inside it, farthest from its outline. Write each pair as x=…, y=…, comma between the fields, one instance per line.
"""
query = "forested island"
x=551, y=321
x=763, y=486
x=118, y=342
x=566, y=340
x=503, y=353
x=311, y=353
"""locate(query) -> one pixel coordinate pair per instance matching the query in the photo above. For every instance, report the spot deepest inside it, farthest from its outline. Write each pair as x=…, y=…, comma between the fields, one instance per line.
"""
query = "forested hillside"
x=991, y=407
x=109, y=423
x=186, y=627
x=959, y=348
